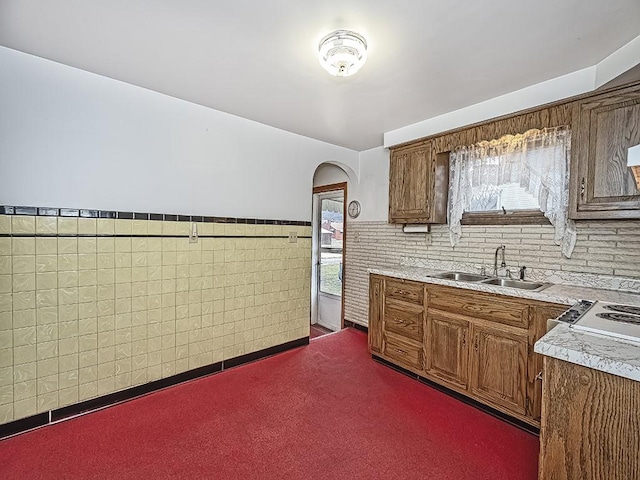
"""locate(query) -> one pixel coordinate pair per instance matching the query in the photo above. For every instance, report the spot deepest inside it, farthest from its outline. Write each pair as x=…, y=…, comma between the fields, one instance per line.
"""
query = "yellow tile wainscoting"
x=84, y=314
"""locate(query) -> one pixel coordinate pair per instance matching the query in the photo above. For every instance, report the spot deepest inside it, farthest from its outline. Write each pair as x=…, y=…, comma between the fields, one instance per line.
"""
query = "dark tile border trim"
x=86, y=213
x=94, y=235
x=45, y=418
x=458, y=396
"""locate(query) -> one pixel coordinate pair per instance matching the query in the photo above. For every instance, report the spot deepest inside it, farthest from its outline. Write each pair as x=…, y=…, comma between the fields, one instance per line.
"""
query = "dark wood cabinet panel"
x=446, y=349
x=418, y=185
x=404, y=290
x=602, y=184
x=405, y=319
x=376, y=290
x=406, y=354
x=539, y=316
x=590, y=426
x=409, y=185
x=509, y=311
x=498, y=368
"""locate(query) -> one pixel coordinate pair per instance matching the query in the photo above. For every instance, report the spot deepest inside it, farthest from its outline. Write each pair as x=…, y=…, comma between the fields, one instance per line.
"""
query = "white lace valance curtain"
x=537, y=160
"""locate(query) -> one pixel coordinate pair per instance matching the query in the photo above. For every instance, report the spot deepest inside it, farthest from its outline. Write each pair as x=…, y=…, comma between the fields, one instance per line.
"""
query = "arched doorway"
x=328, y=244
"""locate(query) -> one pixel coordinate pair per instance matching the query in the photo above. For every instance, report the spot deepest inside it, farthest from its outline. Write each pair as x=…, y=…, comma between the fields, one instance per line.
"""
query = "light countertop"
x=607, y=354
x=562, y=294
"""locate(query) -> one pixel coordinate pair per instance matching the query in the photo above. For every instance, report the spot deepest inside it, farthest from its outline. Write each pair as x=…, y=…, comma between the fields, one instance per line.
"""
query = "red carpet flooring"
x=260, y=421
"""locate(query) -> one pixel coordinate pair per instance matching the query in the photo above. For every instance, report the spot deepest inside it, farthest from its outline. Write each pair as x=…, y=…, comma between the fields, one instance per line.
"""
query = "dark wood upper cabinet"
x=602, y=184
x=414, y=172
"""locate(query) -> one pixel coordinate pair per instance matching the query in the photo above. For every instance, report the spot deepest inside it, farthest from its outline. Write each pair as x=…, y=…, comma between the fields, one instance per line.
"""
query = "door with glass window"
x=329, y=230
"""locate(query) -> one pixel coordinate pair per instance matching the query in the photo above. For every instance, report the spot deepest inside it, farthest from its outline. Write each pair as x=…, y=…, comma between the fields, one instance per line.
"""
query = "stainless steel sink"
x=524, y=285
x=461, y=276
x=500, y=282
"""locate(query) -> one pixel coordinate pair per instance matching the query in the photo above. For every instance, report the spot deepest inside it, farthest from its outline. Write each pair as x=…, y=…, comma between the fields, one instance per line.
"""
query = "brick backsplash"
x=602, y=249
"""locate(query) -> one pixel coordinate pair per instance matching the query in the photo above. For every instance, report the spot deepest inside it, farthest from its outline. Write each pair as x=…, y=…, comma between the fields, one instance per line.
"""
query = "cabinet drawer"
x=402, y=352
x=406, y=290
x=496, y=308
x=404, y=319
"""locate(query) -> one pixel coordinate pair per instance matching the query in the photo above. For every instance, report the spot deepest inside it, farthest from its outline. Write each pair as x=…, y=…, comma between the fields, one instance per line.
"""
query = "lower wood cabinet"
x=404, y=319
x=376, y=297
x=591, y=427
x=406, y=354
x=499, y=368
x=538, y=328
x=447, y=348
x=482, y=348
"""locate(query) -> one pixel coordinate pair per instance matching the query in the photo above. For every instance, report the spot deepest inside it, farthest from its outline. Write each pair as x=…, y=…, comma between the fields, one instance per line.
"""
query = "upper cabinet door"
x=409, y=185
x=602, y=178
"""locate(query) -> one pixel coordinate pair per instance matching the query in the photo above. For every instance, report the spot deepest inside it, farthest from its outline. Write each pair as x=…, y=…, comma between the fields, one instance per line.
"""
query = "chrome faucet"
x=495, y=260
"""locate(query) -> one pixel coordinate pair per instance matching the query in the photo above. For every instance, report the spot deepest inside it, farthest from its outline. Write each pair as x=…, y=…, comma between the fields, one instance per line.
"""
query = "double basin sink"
x=501, y=282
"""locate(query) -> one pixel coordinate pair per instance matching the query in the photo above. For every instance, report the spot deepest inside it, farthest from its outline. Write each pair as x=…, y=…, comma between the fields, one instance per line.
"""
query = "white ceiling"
x=257, y=58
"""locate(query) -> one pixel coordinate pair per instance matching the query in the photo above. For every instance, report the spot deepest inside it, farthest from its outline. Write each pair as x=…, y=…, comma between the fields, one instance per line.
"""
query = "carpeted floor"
x=260, y=421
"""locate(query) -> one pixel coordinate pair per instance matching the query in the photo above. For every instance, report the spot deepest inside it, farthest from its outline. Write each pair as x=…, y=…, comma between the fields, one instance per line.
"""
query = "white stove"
x=605, y=318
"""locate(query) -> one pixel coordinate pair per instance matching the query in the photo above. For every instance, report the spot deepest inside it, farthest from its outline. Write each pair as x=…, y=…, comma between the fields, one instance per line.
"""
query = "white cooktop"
x=613, y=319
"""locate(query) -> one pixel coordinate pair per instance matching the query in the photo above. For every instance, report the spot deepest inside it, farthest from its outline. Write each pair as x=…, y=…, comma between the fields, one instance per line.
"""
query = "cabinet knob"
x=539, y=375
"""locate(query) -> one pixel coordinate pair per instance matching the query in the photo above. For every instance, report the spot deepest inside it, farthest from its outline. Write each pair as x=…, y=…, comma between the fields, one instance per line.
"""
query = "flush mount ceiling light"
x=342, y=53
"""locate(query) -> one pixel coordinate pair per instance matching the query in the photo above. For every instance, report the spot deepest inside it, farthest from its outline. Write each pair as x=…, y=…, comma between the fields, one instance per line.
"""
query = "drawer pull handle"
x=401, y=352
x=464, y=339
x=476, y=343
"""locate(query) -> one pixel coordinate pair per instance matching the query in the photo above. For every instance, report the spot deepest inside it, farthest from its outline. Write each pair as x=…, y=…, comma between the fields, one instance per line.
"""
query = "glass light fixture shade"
x=342, y=53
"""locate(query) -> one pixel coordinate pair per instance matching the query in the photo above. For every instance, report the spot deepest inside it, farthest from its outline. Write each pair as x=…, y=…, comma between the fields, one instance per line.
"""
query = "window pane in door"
x=331, y=245
x=331, y=273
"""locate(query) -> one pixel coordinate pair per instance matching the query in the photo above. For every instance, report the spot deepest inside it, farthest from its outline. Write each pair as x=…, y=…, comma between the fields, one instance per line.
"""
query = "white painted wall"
x=372, y=191
x=328, y=174
x=69, y=138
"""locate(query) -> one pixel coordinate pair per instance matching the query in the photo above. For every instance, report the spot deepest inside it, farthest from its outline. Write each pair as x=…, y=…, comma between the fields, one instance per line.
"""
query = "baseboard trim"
x=267, y=352
x=458, y=396
x=357, y=326
x=45, y=418
x=133, y=392
x=24, y=424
